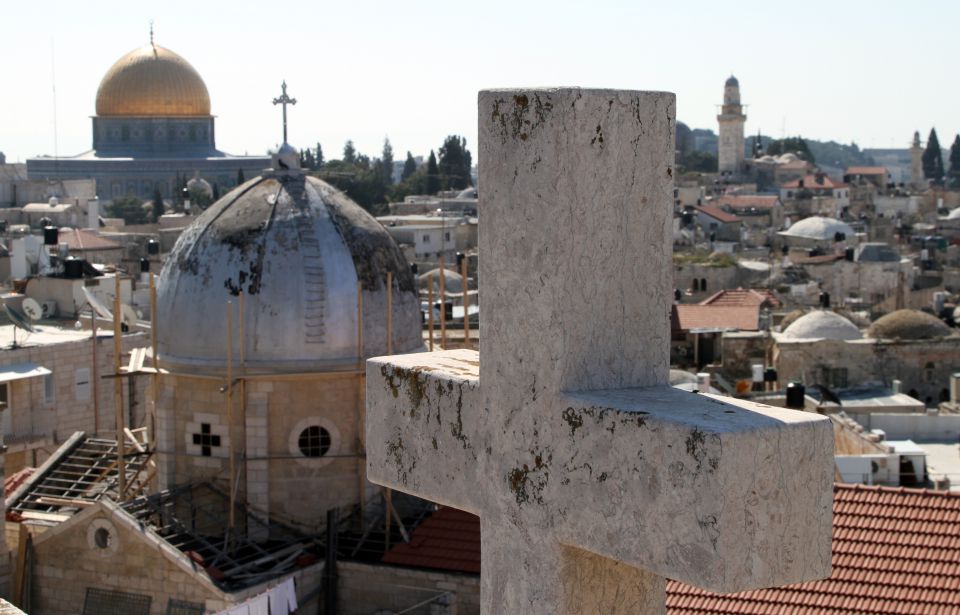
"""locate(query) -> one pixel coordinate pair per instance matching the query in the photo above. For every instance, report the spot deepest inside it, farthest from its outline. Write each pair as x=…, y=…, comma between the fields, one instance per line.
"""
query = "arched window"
x=696, y=285
x=703, y=284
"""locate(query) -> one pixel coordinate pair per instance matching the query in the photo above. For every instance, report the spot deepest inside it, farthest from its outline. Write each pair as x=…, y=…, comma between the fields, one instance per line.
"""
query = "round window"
x=101, y=537
x=314, y=441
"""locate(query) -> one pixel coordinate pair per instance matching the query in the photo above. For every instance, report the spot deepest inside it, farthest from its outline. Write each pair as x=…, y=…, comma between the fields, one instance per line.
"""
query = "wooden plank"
x=52, y=501
x=42, y=516
x=133, y=440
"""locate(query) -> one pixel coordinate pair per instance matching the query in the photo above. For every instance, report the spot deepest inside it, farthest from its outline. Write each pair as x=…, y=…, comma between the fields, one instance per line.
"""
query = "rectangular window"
x=426, y=239
x=49, y=389
x=82, y=384
x=446, y=236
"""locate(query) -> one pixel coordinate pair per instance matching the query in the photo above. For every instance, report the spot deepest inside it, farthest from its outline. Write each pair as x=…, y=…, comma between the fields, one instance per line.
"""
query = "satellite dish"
x=18, y=319
x=32, y=309
x=128, y=315
x=94, y=303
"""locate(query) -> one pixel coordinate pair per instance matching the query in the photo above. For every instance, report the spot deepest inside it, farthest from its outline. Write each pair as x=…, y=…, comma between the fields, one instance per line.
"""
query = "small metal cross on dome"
x=284, y=100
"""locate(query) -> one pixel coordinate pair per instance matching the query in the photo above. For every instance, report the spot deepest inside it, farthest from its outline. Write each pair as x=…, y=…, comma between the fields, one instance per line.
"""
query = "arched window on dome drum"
x=314, y=441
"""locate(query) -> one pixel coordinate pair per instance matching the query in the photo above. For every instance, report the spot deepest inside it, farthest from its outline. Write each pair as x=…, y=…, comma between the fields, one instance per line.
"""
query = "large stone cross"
x=593, y=479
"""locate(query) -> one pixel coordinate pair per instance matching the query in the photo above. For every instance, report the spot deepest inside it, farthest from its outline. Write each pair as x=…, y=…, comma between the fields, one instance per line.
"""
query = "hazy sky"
x=870, y=72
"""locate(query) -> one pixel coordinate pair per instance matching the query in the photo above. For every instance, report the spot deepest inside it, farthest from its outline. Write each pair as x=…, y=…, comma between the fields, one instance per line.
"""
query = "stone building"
x=283, y=284
x=731, y=120
x=907, y=345
x=153, y=127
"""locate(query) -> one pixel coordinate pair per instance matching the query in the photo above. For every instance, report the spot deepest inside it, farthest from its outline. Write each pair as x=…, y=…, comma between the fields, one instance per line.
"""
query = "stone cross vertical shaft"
x=594, y=480
x=284, y=100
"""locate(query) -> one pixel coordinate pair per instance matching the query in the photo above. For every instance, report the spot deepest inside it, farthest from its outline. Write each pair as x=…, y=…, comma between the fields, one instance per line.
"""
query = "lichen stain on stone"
x=574, y=420
x=526, y=483
x=522, y=118
x=456, y=428
x=598, y=137
x=396, y=451
x=387, y=374
x=696, y=447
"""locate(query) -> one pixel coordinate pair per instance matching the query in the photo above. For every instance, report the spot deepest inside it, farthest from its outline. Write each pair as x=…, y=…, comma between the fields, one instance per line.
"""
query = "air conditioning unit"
x=49, y=308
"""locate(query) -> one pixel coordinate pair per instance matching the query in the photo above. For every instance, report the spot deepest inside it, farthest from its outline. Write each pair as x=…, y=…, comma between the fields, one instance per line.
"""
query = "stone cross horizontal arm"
x=593, y=479
x=712, y=491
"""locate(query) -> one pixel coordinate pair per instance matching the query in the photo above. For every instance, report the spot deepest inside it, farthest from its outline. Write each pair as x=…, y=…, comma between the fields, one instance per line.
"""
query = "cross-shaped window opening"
x=206, y=440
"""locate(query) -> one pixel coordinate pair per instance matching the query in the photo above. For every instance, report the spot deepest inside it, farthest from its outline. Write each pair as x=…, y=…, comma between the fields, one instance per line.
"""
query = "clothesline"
x=278, y=600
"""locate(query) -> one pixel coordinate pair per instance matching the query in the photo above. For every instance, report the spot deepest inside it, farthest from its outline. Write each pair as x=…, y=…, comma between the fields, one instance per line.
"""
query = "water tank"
x=153, y=247
x=795, y=395
x=73, y=268
x=770, y=375
x=51, y=236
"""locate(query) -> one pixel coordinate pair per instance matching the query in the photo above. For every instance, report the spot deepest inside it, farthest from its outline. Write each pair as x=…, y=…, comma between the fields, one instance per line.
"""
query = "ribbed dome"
x=908, y=325
x=152, y=81
x=819, y=228
x=297, y=248
x=822, y=324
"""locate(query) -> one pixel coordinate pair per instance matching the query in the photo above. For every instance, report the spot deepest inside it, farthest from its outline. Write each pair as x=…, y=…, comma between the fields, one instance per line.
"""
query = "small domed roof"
x=788, y=157
x=197, y=183
x=908, y=325
x=732, y=82
x=299, y=250
x=819, y=228
x=954, y=214
x=822, y=324
x=152, y=81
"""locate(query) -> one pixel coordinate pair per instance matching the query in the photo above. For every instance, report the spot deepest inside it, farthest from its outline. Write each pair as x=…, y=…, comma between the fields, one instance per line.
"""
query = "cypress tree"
x=386, y=162
x=933, y=159
x=409, y=167
x=955, y=163
x=433, y=174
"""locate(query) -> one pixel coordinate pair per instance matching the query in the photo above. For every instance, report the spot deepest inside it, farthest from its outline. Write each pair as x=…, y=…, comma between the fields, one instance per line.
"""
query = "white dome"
x=822, y=324
x=297, y=248
x=954, y=214
x=788, y=157
x=818, y=228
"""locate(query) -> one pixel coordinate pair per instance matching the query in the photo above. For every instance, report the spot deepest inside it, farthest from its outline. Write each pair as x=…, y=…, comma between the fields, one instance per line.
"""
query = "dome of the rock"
x=297, y=249
x=908, y=325
x=822, y=324
x=152, y=81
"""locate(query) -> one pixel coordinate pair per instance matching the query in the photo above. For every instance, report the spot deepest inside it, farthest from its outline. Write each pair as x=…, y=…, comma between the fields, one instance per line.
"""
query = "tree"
x=791, y=145
x=157, y=207
x=701, y=162
x=364, y=185
x=955, y=163
x=386, y=162
x=240, y=177
x=349, y=152
x=933, y=159
x=319, y=156
x=433, y=175
x=455, y=164
x=130, y=208
x=409, y=167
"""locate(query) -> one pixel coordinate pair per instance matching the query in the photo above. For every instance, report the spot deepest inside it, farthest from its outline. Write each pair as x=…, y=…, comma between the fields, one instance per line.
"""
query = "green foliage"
x=433, y=175
x=454, y=164
x=386, y=162
x=409, y=167
x=933, y=159
x=319, y=156
x=794, y=145
x=240, y=177
x=157, y=207
x=349, y=152
x=702, y=162
x=130, y=208
x=838, y=154
x=199, y=199
x=362, y=183
x=955, y=163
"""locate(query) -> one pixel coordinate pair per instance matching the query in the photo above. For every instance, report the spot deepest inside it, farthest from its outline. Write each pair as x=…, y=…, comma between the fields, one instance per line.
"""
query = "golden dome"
x=152, y=81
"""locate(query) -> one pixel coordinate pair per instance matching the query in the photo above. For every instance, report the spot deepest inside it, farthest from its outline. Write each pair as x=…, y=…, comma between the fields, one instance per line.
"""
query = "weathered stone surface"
x=592, y=478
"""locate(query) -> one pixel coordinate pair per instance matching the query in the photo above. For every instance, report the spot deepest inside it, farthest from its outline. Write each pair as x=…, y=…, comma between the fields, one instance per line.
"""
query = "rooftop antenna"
x=53, y=80
x=19, y=320
x=284, y=100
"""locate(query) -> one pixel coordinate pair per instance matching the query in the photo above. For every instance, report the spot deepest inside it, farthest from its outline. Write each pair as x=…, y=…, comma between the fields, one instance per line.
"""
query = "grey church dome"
x=298, y=249
x=732, y=82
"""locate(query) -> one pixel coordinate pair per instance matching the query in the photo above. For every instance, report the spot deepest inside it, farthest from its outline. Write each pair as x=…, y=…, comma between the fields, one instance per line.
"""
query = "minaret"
x=917, y=180
x=731, y=121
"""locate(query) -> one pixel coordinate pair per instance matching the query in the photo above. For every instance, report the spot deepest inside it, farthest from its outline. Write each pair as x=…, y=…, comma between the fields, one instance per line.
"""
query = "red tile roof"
x=687, y=317
x=449, y=539
x=742, y=296
x=867, y=171
x=81, y=239
x=895, y=550
x=717, y=214
x=16, y=479
x=746, y=201
x=810, y=183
